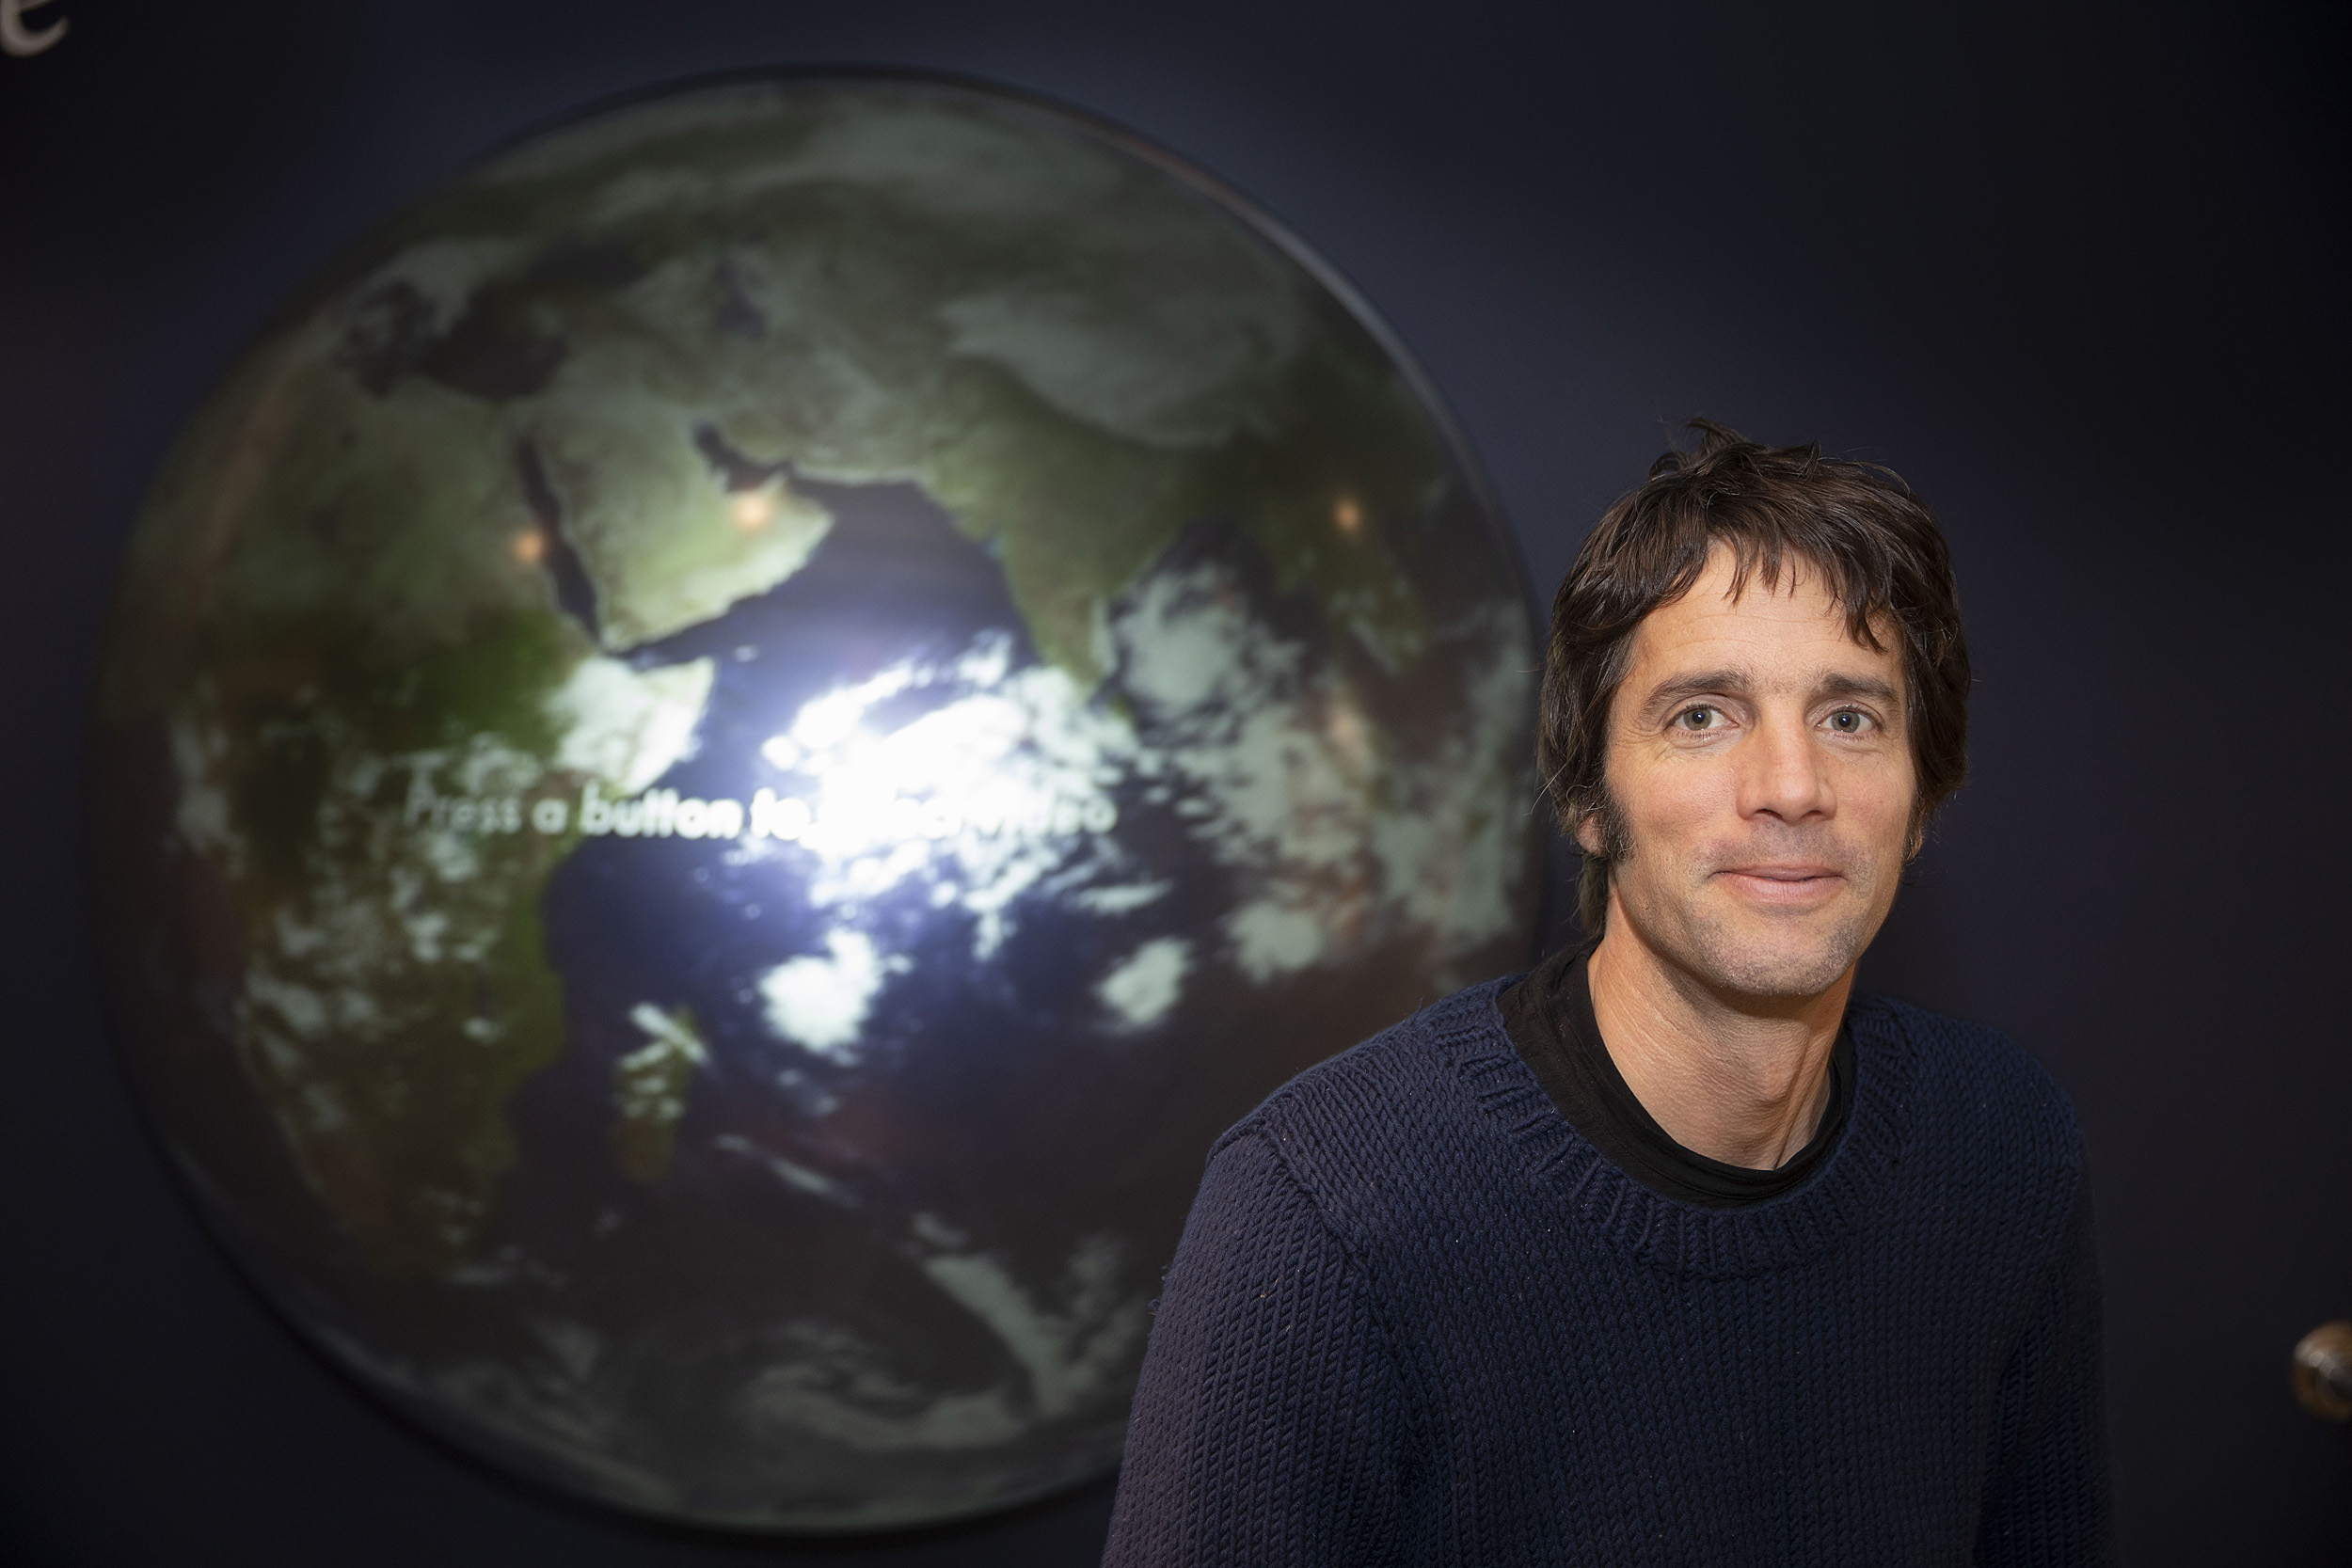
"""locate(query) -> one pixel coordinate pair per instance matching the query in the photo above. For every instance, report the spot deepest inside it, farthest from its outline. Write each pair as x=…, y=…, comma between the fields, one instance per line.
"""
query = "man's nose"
x=1783, y=776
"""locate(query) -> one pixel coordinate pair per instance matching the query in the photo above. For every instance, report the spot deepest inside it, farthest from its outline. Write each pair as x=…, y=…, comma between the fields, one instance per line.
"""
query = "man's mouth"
x=1784, y=881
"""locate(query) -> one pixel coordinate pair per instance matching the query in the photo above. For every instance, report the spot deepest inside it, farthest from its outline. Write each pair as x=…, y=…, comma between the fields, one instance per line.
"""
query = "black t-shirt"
x=1549, y=1017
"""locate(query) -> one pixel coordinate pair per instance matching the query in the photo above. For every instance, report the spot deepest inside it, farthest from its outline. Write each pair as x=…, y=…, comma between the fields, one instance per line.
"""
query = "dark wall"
x=2080, y=276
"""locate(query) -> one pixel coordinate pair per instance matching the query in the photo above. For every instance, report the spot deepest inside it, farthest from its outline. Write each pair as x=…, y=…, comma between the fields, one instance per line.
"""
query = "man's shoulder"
x=1364, y=1116
x=1981, y=1099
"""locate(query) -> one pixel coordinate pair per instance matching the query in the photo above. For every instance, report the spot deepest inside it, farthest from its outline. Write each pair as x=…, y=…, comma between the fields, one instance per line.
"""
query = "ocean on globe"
x=725, y=752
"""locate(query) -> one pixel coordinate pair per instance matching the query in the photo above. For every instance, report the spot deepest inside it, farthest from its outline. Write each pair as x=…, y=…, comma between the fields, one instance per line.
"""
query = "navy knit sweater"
x=1416, y=1319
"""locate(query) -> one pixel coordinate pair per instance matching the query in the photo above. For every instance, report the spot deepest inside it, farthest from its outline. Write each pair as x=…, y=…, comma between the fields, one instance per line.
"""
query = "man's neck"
x=1741, y=1080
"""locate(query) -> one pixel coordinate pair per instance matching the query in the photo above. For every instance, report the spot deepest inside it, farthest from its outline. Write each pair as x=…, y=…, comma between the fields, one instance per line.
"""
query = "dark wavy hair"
x=1874, y=541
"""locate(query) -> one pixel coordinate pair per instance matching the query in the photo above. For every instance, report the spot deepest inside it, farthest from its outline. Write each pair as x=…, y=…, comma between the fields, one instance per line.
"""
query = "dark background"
x=2079, y=274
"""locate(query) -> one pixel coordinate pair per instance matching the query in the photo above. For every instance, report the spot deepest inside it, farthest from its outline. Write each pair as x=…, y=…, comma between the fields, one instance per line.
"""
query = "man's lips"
x=1784, y=881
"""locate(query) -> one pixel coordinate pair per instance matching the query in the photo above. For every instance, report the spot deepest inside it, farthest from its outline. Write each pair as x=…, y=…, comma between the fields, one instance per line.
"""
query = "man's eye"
x=1849, y=721
x=1696, y=718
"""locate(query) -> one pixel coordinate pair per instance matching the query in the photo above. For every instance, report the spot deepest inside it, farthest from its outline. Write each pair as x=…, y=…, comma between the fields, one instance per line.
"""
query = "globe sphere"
x=729, y=749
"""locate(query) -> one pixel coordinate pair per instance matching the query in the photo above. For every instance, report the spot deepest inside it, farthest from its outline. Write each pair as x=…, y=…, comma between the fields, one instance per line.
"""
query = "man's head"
x=1755, y=698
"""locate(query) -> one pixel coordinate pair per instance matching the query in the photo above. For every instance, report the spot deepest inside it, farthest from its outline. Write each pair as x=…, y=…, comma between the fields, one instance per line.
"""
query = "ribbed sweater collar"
x=1784, y=1232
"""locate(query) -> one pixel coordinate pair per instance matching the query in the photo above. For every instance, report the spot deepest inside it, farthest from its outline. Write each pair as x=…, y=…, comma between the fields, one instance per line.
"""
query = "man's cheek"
x=1678, y=804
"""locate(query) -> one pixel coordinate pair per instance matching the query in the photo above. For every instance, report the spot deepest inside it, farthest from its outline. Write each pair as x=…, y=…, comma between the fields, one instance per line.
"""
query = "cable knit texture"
x=1416, y=1319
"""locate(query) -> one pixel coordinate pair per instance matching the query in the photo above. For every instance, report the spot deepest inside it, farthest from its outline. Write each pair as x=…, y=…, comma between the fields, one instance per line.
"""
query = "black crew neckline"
x=1549, y=1017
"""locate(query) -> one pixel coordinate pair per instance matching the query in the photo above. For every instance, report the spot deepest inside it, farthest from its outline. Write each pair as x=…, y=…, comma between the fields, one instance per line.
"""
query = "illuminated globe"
x=723, y=755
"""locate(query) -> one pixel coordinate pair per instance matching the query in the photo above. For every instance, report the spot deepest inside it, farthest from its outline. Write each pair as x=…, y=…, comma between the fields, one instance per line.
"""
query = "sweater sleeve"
x=2047, y=1499
x=1267, y=1429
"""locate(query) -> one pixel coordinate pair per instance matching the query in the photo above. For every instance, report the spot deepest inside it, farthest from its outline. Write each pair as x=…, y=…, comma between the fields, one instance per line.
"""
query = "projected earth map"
x=727, y=749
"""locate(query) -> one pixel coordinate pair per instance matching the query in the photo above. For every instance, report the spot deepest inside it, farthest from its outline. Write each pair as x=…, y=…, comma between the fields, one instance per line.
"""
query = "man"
x=1674, y=1251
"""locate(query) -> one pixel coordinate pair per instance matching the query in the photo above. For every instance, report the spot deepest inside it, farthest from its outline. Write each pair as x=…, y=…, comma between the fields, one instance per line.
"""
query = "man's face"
x=1763, y=783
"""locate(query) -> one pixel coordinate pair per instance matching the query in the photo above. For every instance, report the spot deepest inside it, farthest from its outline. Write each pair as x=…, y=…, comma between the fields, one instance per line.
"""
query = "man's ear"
x=1587, y=834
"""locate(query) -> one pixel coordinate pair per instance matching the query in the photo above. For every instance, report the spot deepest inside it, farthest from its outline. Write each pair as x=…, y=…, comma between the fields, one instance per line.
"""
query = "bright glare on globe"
x=726, y=752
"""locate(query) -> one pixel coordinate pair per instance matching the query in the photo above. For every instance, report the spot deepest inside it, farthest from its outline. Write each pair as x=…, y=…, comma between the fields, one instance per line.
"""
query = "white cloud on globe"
x=821, y=1002
x=1339, y=842
x=1144, y=988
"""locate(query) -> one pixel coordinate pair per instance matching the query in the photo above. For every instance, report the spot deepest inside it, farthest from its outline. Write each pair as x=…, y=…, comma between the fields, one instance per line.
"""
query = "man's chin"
x=1774, y=959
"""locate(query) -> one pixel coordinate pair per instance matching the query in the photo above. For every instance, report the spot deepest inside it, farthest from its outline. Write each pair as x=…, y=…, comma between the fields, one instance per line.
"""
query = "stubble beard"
x=1785, y=963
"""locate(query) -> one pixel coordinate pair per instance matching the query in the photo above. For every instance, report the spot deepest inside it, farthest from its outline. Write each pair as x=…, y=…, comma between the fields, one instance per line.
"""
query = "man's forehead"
x=1792, y=632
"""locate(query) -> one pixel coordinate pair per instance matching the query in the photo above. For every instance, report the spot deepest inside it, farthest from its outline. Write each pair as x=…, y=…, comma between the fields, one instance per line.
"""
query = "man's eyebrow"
x=1860, y=685
x=1706, y=684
